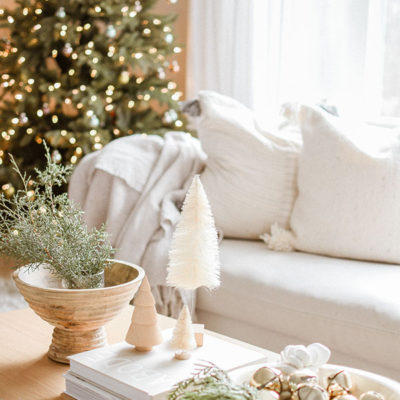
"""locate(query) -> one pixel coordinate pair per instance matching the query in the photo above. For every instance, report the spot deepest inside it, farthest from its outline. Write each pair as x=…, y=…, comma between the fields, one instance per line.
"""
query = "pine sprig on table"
x=211, y=383
x=40, y=228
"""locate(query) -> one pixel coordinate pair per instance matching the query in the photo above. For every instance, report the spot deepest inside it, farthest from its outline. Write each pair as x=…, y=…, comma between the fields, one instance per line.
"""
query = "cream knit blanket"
x=136, y=186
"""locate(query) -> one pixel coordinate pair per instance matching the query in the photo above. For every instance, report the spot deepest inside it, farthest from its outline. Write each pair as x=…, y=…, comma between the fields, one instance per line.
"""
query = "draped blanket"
x=136, y=186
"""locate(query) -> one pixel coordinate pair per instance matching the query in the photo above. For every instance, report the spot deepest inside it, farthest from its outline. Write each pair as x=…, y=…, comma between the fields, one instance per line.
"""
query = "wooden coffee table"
x=27, y=373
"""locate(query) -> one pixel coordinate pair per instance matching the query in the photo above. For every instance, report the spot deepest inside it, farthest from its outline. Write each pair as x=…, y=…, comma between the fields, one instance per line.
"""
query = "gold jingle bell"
x=300, y=377
x=372, y=395
x=341, y=379
x=310, y=391
x=267, y=378
x=268, y=395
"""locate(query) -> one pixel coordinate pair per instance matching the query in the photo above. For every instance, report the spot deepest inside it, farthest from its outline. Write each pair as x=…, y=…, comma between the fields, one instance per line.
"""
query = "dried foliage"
x=211, y=383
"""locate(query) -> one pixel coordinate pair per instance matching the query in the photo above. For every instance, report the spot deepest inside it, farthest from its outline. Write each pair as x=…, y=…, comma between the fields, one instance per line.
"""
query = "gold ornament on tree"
x=144, y=331
x=124, y=77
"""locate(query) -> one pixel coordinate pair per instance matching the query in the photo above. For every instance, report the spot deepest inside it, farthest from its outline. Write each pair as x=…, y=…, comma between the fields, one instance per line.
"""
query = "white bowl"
x=363, y=381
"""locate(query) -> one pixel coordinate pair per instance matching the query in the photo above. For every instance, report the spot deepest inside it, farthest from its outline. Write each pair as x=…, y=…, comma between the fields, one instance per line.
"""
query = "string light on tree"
x=88, y=76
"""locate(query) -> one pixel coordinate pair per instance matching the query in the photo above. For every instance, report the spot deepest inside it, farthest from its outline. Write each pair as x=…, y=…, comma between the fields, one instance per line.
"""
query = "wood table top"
x=25, y=371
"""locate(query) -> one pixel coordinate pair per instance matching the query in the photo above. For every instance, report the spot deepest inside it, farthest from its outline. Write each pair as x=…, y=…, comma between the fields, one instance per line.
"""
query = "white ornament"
x=161, y=73
x=346, y=397
x=169, y=37
x=23, y=119
x=61, y=12
x=301, y=376
x=94, y=121
x=299, y=356
x=138, y=6
x=194, y=254
x=312, y=392
x=372, y=395
x=267, y=395
x=341, y=379
x=111, y=31
x=67, y=49
x=170, y=116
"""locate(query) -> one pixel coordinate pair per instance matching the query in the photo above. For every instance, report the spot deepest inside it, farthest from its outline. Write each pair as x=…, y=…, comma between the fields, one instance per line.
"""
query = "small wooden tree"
x=144, y=331
x=183, y=338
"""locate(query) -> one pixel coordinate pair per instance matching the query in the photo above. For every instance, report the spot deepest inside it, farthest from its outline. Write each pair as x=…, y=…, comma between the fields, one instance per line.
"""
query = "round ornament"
x=111, y=32
x=267, y=378
x=346, y=396
x=23, y=119
x=138, y=6
x=268, y=395
x=372, y=395
x=61, y=12
x=9, y=190
x=170, y=116
x=300, y=377
x=339, y=383
x=56, y=156
x=94, y=121
x=124, y=77
x=312, y=392
x=161, y=73
x=67, y=49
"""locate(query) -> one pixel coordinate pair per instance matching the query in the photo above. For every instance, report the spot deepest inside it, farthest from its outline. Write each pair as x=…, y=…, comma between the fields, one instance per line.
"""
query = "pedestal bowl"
x=78, y=315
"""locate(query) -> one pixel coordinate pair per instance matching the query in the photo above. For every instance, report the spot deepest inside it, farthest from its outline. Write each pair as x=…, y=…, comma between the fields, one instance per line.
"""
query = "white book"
x=80, y=389
x=121, y=370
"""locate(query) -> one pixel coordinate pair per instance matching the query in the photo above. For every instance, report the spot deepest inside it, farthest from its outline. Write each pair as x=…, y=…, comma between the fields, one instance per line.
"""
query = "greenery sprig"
x=211, y=383
x=41, y=228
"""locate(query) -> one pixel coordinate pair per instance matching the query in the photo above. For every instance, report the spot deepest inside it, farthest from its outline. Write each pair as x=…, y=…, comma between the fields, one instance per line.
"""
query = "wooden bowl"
x=79, y=315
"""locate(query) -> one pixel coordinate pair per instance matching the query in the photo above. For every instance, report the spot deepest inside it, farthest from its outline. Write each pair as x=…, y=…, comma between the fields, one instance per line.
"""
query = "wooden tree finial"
x=144, y=332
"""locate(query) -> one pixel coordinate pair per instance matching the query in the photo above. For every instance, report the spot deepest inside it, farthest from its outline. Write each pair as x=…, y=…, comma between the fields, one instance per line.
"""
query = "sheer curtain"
x=265, y=52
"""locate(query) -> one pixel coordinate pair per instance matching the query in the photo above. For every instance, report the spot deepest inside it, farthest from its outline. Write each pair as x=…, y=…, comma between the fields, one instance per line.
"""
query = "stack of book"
x=118, y=372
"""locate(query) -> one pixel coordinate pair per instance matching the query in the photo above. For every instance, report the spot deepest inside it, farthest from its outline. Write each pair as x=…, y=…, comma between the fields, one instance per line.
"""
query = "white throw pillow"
x=250, y=174
x=349, y=189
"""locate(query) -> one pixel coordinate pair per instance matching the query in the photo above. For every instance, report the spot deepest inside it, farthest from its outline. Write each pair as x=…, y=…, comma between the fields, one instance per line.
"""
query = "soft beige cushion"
x=349, y=189
x=250, y=176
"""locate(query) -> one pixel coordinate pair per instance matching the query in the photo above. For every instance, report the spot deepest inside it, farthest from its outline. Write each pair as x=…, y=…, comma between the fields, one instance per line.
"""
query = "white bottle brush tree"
x=183, y=337
x=144, y=331
x=194, y=255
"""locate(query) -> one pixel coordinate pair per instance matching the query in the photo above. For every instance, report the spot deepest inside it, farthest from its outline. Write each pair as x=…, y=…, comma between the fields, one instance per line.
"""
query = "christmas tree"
x=194, y=255
x=144, y=332
x=79, y=73
x=183, y=338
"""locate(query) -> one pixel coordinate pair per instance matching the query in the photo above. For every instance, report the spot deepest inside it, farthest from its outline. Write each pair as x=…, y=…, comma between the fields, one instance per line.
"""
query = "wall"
x=181, y=8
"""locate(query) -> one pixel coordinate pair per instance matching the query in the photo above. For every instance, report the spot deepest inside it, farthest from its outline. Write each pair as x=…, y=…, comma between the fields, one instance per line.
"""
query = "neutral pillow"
x=349, y=189
x=250, y=174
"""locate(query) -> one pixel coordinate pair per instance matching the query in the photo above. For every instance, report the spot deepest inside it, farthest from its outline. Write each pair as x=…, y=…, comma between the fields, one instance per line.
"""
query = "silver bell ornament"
x=300, y=377
x=312, y=392
x=345, y=397
x=267, y=395
x=372, y=395
x=267, y=378
x=339, y=383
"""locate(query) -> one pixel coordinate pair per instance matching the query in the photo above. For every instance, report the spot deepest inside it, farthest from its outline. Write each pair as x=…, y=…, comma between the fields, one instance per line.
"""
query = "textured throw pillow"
x=349, y=189
x=250, y=174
